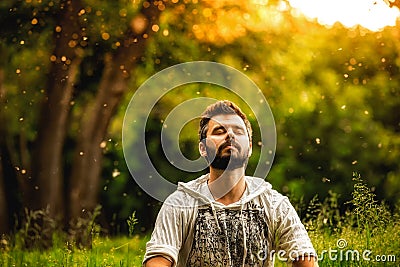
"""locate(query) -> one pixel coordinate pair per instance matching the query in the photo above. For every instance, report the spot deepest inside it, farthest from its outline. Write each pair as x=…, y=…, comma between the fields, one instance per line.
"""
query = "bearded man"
x=225, y=218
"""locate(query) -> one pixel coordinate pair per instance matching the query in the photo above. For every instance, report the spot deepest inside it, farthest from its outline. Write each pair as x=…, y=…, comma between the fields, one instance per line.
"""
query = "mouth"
x=229, y=146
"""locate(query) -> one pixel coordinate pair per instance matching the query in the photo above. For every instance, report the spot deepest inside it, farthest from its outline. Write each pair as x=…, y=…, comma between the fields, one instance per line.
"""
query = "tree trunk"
x=4, y=227
x=86, y=170
x=14, y=164
x=47, y=160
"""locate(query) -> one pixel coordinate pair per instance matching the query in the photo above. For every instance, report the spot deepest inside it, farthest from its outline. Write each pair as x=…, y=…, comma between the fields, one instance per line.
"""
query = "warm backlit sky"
x=371, y=14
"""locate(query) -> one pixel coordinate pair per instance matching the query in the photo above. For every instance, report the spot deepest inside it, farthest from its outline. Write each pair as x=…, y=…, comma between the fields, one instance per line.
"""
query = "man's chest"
x=229, y=237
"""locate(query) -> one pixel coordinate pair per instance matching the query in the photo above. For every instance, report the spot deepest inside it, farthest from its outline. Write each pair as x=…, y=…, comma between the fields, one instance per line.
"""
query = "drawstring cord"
x=225, y=230
x=223, y=218
x=215, y=215
x=227, y=244
x=244, y=235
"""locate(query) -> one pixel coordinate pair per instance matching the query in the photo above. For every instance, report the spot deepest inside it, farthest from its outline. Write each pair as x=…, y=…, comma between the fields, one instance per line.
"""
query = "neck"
x=227, y=186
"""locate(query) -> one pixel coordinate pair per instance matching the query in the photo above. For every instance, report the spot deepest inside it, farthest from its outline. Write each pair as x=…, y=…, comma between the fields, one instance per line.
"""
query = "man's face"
x=227, y=142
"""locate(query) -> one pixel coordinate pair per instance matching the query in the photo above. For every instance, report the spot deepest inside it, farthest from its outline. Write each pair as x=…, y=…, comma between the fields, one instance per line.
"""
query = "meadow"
x=366, y=234
x=122, y=251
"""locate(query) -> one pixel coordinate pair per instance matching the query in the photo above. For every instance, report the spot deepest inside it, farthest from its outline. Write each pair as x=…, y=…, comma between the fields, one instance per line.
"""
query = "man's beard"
x=229, y=162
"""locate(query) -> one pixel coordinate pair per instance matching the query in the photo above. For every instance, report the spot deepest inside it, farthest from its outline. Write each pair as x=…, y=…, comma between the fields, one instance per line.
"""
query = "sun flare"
x=371, y=14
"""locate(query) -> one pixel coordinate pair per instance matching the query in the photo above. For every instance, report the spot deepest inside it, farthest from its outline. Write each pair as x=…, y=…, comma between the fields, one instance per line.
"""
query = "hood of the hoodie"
x=199, y=190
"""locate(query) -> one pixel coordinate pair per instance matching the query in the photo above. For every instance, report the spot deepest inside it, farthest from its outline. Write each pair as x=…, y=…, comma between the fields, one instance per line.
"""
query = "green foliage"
x=325, y=216
x=132, y=221
x=363, y=211
x=82, y=230
x=37, y=230
x=40, y=231
x=325, y=88
x=370, y=214
x=365, y=226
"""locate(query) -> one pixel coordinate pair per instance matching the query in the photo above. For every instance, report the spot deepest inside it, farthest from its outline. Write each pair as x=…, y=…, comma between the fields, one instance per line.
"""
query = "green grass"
x=351, y=247
x=346, y=243
x=368, y=234
x=122, y=251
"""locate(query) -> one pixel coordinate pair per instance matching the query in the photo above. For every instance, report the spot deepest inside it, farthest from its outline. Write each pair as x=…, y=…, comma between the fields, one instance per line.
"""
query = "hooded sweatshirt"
x=193, y=229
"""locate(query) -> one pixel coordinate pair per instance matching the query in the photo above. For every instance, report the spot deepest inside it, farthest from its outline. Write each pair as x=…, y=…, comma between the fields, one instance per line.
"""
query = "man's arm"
x=292, y=236
x=169, y=231
x=158, y=261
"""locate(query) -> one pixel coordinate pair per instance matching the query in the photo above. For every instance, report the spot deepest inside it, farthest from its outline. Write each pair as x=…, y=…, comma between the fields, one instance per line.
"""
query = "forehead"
x=226, y=120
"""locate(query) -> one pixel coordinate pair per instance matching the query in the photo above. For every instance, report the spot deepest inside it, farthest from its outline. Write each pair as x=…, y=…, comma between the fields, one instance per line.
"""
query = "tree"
x=4, y=226
x=45, y=187
x=73, y=29
x=47, y=160
x=118, y=68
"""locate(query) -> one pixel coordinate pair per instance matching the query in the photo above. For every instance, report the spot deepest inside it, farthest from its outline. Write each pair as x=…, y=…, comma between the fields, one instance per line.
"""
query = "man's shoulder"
x=265, y=190
x=179, y=198
x=187, y=193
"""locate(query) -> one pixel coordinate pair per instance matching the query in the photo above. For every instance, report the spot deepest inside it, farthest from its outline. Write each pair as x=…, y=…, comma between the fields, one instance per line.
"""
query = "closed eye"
x=219, y=130
x=239, y=131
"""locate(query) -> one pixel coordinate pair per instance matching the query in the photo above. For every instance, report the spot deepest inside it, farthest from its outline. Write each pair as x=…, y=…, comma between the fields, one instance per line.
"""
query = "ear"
x=202, y=149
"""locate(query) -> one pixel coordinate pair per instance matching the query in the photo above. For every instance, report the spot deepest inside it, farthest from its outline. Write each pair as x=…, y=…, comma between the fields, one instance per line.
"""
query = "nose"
x=230, y=134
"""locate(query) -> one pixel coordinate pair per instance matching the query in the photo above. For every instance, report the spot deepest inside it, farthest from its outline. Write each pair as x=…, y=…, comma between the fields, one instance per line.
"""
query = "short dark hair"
x=222, y=107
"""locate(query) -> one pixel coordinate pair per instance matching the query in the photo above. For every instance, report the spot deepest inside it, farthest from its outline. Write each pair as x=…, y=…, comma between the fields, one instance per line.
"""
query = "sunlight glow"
x=371, y=14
